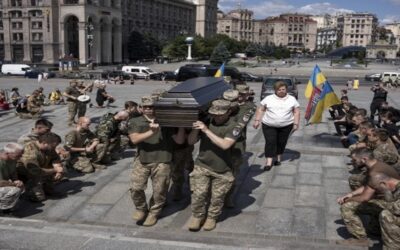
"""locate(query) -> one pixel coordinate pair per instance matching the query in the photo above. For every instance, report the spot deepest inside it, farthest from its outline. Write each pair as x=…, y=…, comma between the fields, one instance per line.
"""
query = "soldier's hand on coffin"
x=200, y=125
x=154, y=126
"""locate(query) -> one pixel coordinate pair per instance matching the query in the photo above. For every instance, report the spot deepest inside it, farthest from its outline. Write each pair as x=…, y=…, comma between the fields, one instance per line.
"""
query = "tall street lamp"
x=189, y=42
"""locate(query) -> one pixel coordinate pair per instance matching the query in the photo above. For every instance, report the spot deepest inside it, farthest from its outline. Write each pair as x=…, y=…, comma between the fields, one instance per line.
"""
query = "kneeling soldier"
x=83, y=146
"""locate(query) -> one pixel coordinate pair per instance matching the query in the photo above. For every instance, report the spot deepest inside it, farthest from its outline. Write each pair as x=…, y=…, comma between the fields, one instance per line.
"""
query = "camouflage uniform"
x=82, y=161
x=8, y=195
x=182, y=159
x=384, y=152
x=33, y=107
x=153, y=161
x=108, y=133
x=389, y=220
x=25, y=139
x=30, y=166
x=350, y=212
x=74, y=106
x=213, y=167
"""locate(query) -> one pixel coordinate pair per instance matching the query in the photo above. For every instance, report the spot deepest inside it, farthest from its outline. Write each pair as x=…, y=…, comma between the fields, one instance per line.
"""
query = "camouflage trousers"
x=36, y=189
x=159, y=174
x=202, y=181
x=109, y=148
x=182, y=160
x=83, y=161
x=9, y=197
x=351, y=211
x=390, y=228
x=75, y=108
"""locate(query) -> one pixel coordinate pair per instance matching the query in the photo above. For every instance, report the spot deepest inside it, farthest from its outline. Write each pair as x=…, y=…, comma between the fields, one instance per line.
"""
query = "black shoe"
x=277, y=163
x=267, y=168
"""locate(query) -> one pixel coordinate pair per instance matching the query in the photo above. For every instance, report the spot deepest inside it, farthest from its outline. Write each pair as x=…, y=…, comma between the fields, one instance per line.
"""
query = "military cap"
x=219, y=107
x=243, y=89
x=232, y=96
x=147, y=101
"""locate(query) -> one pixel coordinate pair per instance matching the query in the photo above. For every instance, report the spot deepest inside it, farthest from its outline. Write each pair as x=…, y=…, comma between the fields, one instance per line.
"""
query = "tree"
x=220, y=55
x=143, y=46
x=176, y=48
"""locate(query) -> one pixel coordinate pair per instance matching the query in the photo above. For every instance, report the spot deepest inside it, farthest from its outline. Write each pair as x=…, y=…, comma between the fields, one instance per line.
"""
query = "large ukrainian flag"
x=327, y=98
x=316, y=79
x=221, y=71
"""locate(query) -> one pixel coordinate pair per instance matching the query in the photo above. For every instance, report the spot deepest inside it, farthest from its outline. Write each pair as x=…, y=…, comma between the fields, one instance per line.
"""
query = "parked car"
x=250, y=77
x=35, y=72
x=373, y=77
x=141, y=72
x=117, y=73
x=168, y=76
x=268, y=85
x=15, y=69
x=191, y=71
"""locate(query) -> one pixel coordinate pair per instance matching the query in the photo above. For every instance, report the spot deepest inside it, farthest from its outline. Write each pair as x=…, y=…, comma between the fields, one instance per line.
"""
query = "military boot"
x=139, y=215
x=195, y=223
x=151, y=220
x=210, y=224
x=98, y=166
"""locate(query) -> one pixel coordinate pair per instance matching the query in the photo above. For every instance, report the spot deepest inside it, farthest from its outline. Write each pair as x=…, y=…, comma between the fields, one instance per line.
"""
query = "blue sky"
x=386, y=10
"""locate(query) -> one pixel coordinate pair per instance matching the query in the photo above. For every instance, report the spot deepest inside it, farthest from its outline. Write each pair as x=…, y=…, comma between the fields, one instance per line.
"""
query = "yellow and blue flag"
x=316, y=79
x=326, y=99
x=221, y=71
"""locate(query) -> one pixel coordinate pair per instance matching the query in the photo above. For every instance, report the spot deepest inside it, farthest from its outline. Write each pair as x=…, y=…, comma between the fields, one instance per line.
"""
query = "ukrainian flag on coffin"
x=220, y=72
x=327, y=98
x=316, y=79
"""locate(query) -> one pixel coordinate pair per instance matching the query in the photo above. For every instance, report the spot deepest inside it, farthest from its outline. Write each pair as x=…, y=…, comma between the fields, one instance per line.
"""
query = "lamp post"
x=189, y=42
x=89, y=36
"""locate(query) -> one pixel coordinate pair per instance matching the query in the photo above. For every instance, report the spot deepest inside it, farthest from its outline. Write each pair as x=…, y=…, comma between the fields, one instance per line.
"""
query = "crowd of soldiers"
x=39, y=160
x=375, y=169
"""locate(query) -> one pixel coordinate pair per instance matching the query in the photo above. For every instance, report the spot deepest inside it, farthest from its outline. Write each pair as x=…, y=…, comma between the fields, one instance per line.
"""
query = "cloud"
x=322, y=8
x=389, y=19
x=263, y=9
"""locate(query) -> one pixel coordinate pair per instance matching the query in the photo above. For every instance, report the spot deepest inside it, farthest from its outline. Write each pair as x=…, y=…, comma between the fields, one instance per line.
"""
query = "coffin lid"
x=194, y=93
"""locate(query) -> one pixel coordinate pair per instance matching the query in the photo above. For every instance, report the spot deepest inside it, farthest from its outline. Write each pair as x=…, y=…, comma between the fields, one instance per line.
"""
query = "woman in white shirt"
x=279, y=114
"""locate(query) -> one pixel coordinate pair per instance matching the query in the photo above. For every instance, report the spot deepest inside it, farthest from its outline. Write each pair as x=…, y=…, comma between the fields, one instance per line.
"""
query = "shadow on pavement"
x=242, y=195
x=26, y=208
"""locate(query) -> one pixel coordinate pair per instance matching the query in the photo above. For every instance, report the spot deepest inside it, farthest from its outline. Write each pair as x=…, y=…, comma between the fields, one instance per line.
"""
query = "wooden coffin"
x=188, y=102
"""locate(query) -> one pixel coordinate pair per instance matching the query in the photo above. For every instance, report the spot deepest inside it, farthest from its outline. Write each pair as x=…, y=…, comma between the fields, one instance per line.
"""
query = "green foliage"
x=281, y=52
x=202, y=47
x=220, y=55
x=143, y=46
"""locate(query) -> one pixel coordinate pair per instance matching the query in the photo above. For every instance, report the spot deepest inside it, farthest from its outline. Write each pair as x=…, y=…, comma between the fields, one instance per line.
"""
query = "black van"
x=192, y=71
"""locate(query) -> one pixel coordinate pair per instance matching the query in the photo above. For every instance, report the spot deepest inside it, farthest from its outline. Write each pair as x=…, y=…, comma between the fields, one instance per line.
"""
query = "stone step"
x=47, y=233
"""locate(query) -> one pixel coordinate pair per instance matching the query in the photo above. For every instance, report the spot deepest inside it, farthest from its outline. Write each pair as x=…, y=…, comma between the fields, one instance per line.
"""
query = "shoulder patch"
x=246, y=118
x=236, y=131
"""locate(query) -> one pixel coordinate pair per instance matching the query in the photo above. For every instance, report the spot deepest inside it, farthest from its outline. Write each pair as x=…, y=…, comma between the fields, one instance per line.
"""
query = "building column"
x=27, y=40
x=7, y=39
x=83, y=43
x=62, y=40
x=117, y=44
x=106, y=37
x=97, y=44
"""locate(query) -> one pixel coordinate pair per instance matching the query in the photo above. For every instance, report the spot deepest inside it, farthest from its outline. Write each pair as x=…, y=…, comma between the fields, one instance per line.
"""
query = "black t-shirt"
x=100, y=95
x=380, y=95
